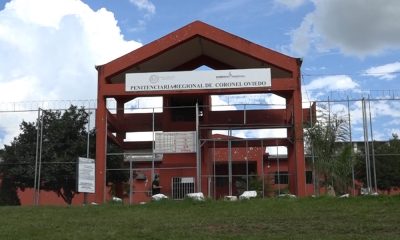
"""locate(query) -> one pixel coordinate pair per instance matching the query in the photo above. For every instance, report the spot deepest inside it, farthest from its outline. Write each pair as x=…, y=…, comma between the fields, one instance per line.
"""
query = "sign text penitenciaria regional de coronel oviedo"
x=199, y=86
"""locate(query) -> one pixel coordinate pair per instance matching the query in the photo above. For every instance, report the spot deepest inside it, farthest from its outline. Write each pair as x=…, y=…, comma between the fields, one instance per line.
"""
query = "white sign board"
x=195, y=80
x=175, y=142
x=86, y=175
x=142, y=157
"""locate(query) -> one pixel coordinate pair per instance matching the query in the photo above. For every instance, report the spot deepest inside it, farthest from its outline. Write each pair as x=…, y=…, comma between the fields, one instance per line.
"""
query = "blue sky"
x=48, y=48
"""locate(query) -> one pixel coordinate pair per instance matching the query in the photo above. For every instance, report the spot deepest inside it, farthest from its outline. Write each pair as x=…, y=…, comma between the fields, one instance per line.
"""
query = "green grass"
x=319, y=218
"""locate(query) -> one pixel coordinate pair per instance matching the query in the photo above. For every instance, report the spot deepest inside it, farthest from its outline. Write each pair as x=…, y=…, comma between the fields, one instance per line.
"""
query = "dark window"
x=221, y=181
x=309, y=177
x=281, y=178
x=183, y=108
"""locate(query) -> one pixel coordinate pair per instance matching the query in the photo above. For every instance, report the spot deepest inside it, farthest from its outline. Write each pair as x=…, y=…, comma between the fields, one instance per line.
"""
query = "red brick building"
x=216, y=160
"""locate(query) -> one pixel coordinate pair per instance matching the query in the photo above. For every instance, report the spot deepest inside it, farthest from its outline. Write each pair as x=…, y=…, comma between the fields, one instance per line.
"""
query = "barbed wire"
x=368, y=74
x=245, y=99
x=34, y=105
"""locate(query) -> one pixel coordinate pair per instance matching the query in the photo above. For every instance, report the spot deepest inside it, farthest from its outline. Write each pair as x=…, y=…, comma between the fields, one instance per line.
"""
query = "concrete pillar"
x=101, y=137
x=296, y=162
x=121, y=134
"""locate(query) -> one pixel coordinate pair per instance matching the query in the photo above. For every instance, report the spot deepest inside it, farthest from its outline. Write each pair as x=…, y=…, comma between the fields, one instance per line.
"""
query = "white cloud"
x=226, y=6
x=274, y=101
x=382, y=113
x=385, y=108
x=53, y=46
x=255, y=133
x=335, y=82
x=267, y=133
x=145, y=5
x=290, y=3
x=149, y=8
x=301, y=37
x=21, y=87
x=48, y=50
x=218, y=104
x=277, y=150
x=247, y=101
x=393, y=122
x=385, y=134
x=9, y=124
x=387, y=71
x=356, y=27
x=144, y=105
x=139, y=136
x=340, y=109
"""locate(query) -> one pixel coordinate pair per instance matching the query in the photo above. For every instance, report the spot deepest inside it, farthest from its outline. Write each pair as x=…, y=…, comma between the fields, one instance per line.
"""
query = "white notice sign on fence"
x=86, y=175
x=175, y=142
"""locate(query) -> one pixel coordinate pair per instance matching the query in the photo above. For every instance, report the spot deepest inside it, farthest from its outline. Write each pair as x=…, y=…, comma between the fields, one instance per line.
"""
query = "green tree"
x=64, y=140
x=387, y=163
x=16, y=168
x=327, y=140
x=8, y=193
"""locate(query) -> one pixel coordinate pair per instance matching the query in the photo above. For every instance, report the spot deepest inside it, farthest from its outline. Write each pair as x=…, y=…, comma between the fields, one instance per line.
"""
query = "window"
x=221, y=181
x=181, y=186
x=281, y=177
x=309, y=177
x=183, y=108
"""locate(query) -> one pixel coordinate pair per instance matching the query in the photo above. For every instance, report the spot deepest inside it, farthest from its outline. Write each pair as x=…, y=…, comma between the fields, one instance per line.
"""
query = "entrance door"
x=241, y=173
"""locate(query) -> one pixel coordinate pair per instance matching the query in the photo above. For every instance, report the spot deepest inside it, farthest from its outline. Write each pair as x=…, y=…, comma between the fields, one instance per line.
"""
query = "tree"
x=8, y=193
x=328, y=141
x=64, y=140
x=387, y=163
x=15, y=171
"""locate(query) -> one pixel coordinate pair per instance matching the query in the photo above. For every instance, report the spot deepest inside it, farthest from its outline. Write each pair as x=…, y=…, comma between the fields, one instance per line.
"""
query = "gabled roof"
x=195, y=45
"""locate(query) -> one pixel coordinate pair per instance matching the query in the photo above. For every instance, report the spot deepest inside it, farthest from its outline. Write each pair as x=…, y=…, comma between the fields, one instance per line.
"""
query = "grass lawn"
x=308, y=218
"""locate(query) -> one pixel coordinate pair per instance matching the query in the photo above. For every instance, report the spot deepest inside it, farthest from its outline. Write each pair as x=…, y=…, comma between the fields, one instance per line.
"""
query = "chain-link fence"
x=229, y=156
x=41, y=143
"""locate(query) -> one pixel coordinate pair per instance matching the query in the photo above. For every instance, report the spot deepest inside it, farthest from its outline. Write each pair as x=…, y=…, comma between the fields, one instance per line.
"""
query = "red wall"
x=50, y=198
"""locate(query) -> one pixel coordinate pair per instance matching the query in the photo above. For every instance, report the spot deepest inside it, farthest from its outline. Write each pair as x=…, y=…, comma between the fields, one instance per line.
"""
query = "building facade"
x=187, y=153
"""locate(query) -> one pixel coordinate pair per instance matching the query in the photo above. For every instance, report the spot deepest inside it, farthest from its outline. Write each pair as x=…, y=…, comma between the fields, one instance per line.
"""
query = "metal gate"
x=181, y=186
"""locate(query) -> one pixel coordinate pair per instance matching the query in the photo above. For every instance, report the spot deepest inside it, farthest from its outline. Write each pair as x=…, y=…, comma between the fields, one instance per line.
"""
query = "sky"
x=49, y=48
